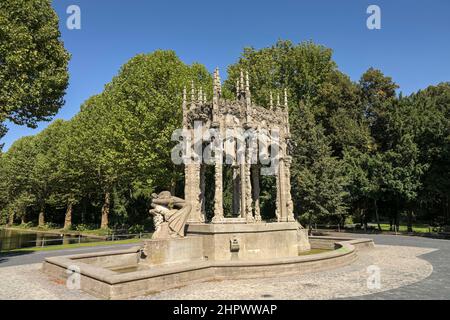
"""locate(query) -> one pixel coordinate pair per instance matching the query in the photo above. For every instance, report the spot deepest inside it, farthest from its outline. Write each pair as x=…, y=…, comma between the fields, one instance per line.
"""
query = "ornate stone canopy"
x=239, y=115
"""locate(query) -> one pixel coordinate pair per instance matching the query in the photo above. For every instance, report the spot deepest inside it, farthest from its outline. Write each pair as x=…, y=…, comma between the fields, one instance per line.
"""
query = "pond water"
x=314, y=251
x=16, y=239
x=129, y=269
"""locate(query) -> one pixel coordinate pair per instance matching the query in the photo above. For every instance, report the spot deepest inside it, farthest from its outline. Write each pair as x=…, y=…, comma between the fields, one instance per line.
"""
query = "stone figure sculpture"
x=170, y=215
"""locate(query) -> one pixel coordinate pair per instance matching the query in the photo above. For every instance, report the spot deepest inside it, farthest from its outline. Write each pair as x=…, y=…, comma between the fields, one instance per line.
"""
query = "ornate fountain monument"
x=188, y=244
x=248, y=139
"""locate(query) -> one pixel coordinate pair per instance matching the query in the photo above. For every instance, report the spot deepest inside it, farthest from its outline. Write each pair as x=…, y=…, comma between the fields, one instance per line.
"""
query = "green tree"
x=43, y=174
x=304, y=69
x=69, y=177
x=432, y=134
x=319, y=181
x=364, y=171
x=87, y=156
x=359, y=133
x=17, y=165
x=417, y=135
x=33, y=62
x=122, y=137
x=317, y=90
x=3, y=186
x=377, y=95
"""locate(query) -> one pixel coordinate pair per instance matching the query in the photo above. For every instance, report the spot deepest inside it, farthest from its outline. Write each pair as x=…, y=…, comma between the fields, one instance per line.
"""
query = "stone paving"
x=436, y=286
x=400, y=266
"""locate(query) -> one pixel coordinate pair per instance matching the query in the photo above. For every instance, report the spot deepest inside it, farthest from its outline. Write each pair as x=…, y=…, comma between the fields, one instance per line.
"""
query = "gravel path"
x=27, y=282
x=436, y=286
x=399, y=266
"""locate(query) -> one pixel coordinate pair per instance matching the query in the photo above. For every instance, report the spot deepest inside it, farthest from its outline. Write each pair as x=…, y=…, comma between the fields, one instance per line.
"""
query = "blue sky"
x=413, y=45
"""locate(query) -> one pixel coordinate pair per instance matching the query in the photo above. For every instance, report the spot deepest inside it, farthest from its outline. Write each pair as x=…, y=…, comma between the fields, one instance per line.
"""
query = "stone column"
x=218, y=192
x=236, y=190
x=248, y=191
x=188, y=172
x=256, y=191
x=278, y=210
x=242, y=190
x=289, y=202
x=202, y=188
x=282, y=191
x=284, y=199
x=193, y=192
x=277, y=201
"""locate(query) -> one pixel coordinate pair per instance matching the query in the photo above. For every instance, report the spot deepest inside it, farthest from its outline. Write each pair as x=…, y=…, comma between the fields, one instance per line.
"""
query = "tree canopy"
x=33, y=63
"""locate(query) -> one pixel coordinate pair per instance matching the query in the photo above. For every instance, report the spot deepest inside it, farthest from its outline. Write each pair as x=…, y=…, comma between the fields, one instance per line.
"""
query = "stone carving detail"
x=248, y=192
x=218, y=201
x=170, y=215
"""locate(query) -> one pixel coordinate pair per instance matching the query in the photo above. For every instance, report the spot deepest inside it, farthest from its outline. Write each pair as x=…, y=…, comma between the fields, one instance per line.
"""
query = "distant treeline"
x=361, y=150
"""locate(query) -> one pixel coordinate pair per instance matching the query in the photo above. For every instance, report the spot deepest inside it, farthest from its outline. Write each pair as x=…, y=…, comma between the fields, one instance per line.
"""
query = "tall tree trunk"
x=366, y=213
x=11, y=218
x=41, y=220
x=377, y=216
x=397, y=214
x=310, y=225
x=447, y=210
x=23, y=218
x=363, y=219
x=105, y=211
x=410, y=220
x=68, y=218
x=83, y=212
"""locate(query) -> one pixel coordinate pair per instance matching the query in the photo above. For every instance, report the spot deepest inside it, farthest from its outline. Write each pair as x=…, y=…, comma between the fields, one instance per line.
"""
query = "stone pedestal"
x=232, y=240
x=252, y=241
x=173, y=250
x=303, y=240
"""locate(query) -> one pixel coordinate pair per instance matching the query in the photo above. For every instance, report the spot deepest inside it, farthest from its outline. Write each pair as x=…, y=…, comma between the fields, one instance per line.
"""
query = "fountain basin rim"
x=344, y=247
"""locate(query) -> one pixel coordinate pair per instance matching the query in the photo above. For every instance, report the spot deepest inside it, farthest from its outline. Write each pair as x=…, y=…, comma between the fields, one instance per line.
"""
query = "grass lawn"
x=420, y=228
x=100, y=233
x=72, y=246
x=94, y=232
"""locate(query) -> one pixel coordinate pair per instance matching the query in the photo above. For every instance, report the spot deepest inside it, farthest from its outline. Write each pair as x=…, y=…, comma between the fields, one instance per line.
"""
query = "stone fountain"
x=188, y=247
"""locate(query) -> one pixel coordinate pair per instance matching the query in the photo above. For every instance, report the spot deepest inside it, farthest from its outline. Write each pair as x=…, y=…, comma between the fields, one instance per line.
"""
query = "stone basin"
x=125, y=273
